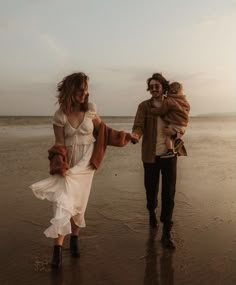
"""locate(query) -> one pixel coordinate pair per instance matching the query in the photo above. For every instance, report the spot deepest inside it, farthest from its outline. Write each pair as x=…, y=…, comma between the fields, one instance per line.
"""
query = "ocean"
x=21, y=126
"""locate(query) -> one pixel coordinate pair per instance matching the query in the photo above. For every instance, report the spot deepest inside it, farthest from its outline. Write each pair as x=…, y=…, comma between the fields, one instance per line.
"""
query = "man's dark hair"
x=159, y=77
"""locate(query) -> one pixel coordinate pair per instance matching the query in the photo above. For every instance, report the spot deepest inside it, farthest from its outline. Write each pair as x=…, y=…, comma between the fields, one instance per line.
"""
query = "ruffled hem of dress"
x=57, y=189
x=63, y=207
x=60, y=223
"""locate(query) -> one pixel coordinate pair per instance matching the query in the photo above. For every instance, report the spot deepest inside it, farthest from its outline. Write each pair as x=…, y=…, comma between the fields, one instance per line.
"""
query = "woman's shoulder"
x=92, y=110
x=59, y=112
x=92, y=107
x=59, y=118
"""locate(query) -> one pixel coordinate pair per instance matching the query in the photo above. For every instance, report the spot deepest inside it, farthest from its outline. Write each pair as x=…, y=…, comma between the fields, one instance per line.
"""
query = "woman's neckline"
x=78, y=125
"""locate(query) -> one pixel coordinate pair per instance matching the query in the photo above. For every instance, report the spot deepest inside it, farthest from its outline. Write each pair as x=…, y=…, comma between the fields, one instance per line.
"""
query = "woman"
x=74, y=156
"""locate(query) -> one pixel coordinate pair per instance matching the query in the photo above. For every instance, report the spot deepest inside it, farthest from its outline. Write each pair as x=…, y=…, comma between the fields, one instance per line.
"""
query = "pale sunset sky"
x=119, y=44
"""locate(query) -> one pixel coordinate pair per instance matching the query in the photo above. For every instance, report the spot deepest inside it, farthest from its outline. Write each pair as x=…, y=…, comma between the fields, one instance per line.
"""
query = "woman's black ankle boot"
x=74, y=247
x=57, y=256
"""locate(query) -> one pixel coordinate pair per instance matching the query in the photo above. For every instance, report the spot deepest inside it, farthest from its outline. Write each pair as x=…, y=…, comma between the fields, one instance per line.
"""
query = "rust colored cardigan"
x=104, y=137
x=58, y=160
x=107, y=136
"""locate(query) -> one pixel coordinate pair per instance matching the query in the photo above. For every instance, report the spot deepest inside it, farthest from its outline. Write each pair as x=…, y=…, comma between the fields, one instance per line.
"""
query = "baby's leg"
x=179, y=135
x=169, y=139
x=178, y=142
x=169, y=143
x=170, y=148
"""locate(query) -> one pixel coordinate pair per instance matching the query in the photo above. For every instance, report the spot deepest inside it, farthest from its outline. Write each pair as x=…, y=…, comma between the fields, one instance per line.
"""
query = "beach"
x=117, y=246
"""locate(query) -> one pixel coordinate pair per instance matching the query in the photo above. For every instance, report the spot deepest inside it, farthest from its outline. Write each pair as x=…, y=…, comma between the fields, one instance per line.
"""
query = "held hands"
x=134, y=138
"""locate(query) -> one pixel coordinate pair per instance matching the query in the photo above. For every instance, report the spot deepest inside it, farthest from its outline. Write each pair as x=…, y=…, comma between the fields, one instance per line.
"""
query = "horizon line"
x=127, y=116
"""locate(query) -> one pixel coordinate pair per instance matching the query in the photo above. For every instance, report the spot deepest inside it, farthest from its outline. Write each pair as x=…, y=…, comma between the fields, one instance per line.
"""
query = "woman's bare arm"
x=96, y=122
x=59, y=135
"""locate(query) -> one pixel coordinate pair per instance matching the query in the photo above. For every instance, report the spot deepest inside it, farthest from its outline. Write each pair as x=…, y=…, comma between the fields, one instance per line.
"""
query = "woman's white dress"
x=70, y=194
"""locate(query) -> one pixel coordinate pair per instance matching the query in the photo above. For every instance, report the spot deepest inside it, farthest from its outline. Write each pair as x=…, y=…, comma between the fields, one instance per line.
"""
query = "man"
x=152, y=129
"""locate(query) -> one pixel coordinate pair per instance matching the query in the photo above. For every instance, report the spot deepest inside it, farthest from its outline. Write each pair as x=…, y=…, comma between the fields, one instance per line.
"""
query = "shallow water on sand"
x=22, y=127
x=117, y=246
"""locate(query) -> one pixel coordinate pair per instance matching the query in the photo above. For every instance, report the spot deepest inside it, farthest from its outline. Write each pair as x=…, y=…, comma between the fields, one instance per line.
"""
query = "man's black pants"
x=168, y=169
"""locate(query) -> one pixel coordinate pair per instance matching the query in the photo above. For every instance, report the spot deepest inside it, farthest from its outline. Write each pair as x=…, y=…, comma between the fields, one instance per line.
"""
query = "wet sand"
x=117, y=246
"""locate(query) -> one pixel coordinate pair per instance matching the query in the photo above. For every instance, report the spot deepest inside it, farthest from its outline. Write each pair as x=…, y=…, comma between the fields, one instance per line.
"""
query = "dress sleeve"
x=92, y=111
x=59, y=118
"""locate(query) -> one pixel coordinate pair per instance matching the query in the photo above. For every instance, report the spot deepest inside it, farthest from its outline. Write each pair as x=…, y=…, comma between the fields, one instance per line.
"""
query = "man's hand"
x=134, y=138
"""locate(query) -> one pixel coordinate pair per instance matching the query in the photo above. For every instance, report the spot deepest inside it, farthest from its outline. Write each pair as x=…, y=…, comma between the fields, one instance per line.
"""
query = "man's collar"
x=153, y=99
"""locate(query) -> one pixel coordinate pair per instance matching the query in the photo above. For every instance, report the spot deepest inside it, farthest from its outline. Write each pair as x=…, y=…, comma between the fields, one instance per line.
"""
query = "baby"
x=174, y=110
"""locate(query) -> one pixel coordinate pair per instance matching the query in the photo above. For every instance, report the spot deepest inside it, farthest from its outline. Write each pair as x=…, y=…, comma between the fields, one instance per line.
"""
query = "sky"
x=118, y=44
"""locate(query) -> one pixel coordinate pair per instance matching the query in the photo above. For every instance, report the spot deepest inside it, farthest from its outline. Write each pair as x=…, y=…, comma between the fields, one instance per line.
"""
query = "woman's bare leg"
x=74, y=246
x=59, y=240
x=74, y=228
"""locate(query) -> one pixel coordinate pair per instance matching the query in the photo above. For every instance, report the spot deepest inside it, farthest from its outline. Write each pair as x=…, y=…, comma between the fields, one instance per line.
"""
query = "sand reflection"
x=159, y=269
